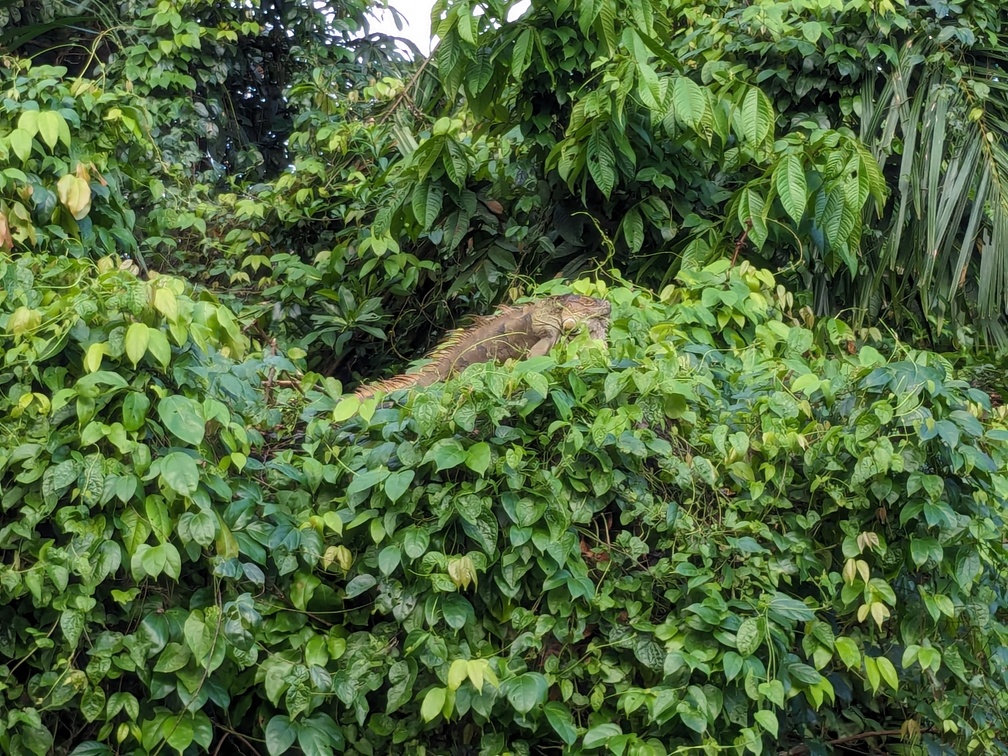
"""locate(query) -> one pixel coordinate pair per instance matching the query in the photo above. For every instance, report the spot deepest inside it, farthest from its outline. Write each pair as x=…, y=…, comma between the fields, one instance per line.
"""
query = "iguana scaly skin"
x=519, y=331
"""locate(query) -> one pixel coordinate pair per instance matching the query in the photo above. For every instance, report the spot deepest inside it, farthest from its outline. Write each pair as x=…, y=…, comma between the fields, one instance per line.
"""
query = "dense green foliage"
x=520, y=556
x=740, y=525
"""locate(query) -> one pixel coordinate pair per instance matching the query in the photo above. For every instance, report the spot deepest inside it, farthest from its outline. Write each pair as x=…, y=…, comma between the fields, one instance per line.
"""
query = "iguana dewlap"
x=519, y=331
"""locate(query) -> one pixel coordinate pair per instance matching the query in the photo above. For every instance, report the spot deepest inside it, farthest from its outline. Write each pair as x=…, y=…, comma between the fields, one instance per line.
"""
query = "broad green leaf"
x=397, y=483
x=689, y=102
x=180, y=473
x=446, y=454
x=599, y=735
x=757, y=116
x=415, y=542
x=388, y=559
x=280, y=735
x=478, y=457
x=366, y=479
x=526, y=691
x=767, y=720
x=183, y=417
x=359, y=585
x=427, y=200
x=158, y=346
x=134, y=410
x=849, y=652
x=888, y=672
x=560, y=719
x=346, y=408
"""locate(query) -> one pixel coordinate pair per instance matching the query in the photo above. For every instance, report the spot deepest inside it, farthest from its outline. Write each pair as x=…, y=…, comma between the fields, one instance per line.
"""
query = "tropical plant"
x=723, y=529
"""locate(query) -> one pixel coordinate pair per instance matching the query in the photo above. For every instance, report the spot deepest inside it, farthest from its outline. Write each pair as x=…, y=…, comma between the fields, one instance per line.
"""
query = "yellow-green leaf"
x=75, y=195
x=432, y=704
x=93, y=357
x=49, y=123
x=888, y=672
x=457, y=673
x=21, y=142
x=23, y=319
x=137, y=339
x=158, y=346
x=166, y=303
x=29, y=122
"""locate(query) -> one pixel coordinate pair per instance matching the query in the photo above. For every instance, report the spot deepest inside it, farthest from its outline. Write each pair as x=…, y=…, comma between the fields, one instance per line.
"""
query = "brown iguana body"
x=519, y=331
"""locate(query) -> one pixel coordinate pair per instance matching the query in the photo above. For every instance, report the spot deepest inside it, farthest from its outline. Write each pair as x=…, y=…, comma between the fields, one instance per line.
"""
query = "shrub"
x=731, y=527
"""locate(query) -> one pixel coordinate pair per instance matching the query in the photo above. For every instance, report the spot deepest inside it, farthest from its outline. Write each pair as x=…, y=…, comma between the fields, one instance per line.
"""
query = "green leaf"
x=560, y=719
x=748, y=637
x=806, y=384
x=415, y=542
x=588, y=12
x=768, y=721
x=601, y=162
x=788, y=608
x=134, y=410
x=633, y=230
x=478, y=457
x=180, y=473
x=158, y=346
x=446, y=454
x=346, y=408
x=183, y=418
x=599, y=735
x=521, y=54
x=364, y=480
x=689, y=101
x=789, y=179
x=849, y=652
x=280, y=735
x=359, y=585
x=455, y=163
x=388, y=559
x=427, y=200
x=526, y=691
x=888, y=672
x=757, y=116
x=397, y=483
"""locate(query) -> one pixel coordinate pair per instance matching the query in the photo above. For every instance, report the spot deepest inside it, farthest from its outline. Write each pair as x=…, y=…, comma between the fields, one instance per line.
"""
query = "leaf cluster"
x=724, y=528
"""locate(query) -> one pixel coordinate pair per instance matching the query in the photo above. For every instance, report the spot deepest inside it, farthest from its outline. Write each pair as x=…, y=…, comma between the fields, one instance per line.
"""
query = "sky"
x=416, y=25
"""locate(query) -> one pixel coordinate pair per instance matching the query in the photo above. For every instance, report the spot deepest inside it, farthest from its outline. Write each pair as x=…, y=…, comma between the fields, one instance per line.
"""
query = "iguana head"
x=567, y=313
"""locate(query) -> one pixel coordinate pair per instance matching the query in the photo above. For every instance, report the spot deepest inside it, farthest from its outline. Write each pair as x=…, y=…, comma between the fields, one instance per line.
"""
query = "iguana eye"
x=569, y=323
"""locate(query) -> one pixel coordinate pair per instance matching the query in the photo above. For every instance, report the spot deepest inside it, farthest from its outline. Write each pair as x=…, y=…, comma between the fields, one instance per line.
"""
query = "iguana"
x=518, y=331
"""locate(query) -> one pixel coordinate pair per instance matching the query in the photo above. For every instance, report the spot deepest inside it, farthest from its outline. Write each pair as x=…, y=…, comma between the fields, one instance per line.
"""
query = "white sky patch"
x=416, y=21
